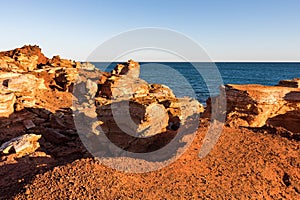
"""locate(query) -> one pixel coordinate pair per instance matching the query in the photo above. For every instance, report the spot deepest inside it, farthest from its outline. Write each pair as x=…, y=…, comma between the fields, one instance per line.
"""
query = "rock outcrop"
x=26, y=74
x=294, y=83
x=45, y=90
x=141, y=109
x=23, y=59
x=258, y=105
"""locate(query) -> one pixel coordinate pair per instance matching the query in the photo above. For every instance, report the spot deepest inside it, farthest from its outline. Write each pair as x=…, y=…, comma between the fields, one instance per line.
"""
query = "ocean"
x=202, y=80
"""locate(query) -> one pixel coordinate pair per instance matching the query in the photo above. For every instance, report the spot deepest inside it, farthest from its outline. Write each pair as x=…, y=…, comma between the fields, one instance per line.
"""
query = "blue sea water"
x=201, y=80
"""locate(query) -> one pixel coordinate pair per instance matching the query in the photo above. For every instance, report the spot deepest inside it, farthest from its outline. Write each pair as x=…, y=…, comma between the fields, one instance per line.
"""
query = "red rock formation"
x=28, y=51
x=153, y=108
x=29, y=80
x=131, y=68
x=258, y=105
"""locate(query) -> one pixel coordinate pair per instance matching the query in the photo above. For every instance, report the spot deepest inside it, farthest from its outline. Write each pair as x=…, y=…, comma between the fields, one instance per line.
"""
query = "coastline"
x=256, y=156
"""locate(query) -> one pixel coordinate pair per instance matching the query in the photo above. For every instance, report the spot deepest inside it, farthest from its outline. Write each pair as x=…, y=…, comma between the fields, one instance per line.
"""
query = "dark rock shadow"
x=117, y=143
x=273, y=130
x=59, y=145
x=292, y=96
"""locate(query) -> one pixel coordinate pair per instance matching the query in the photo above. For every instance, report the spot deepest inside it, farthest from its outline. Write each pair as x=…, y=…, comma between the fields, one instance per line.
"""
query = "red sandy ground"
x=243, y=165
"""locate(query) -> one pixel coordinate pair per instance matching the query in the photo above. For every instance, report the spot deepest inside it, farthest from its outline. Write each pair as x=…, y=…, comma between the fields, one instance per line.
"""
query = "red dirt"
x=243, y=165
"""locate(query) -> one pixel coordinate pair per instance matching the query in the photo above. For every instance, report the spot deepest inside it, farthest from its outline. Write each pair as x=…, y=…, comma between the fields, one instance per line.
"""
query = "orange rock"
x=23, y=59
x=130, y=68
x=258, y=105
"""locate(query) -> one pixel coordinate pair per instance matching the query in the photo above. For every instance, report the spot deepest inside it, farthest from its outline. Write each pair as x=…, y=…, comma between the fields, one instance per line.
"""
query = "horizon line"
x=180, y=61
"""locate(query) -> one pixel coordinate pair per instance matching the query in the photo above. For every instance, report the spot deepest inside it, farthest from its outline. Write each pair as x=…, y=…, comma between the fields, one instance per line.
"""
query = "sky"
x=228, y=30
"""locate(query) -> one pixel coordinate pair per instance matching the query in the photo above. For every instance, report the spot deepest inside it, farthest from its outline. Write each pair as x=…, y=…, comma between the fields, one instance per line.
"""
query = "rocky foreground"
x=42, y=155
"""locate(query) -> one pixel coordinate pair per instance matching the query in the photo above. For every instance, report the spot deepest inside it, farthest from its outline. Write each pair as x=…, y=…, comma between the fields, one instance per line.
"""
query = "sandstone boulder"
x=22, y=145
x=57, y=62
x=139, y=119
x=87, y=66
x=123, y=87
x=161, y=91
x=289, y=120
x=23, y=86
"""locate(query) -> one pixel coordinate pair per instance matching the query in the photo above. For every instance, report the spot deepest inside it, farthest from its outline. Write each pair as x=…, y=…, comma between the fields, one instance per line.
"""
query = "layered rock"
x=129, y=104
x=139, y=119
x=7, y=102
x=124, y=87
x=258, y=105
x=121, y=103
x=25, y=74
x=24, y=87
x=27, y=58
x=289, y=120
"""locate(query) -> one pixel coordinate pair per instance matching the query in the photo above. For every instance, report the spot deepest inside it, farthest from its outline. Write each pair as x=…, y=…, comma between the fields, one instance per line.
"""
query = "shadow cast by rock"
x=59, y=145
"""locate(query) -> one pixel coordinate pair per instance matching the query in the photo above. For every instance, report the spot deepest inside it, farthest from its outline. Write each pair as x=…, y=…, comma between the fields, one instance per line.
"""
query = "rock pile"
x=120, y=102
x=37, y=93
x=130, y=103
x=132, y=113
x=25, y=74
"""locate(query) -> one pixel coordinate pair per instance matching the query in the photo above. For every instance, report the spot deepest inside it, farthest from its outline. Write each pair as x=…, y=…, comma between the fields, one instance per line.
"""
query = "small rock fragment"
x=28, y=124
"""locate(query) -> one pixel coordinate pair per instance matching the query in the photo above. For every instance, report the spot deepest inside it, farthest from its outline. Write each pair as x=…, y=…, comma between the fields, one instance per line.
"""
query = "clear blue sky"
x=230, y=30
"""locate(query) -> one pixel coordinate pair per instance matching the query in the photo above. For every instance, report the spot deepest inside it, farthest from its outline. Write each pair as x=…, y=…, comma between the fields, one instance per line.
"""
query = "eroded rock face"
x=130, y=69
x=289, y=120
x=26, y=74
x=119, y=100
x=258, y=105
x=20, y=89
x=116, y=87
x=7, y=102
x=129, y=104
x=27, y=58
x=139, y=119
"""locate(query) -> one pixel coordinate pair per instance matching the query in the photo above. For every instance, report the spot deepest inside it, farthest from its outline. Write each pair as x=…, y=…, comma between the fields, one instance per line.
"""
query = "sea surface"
x=202, y=80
